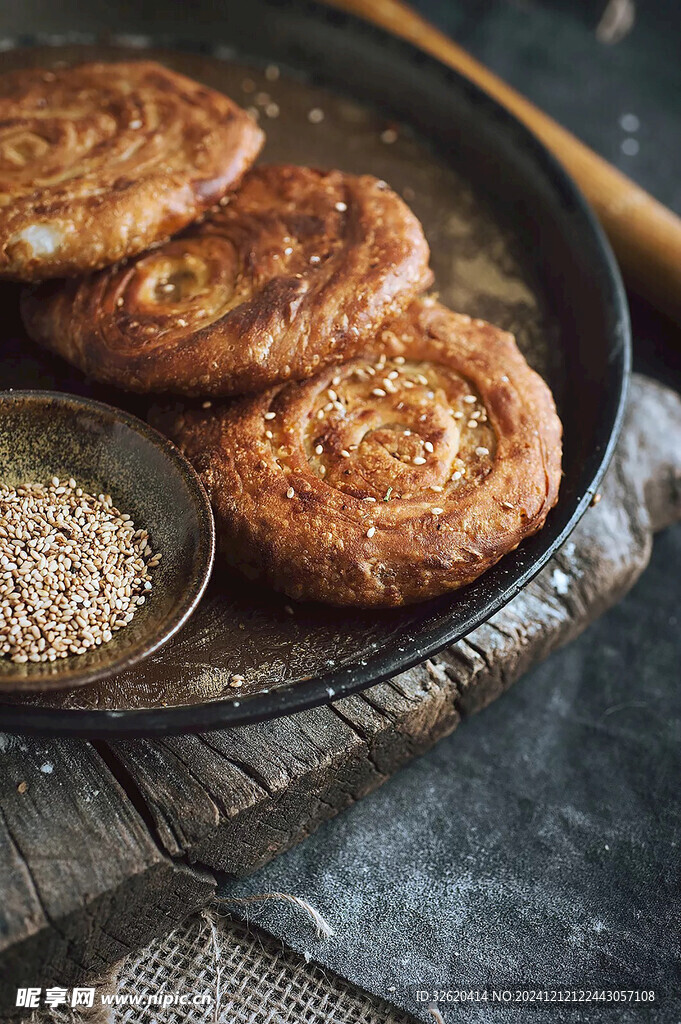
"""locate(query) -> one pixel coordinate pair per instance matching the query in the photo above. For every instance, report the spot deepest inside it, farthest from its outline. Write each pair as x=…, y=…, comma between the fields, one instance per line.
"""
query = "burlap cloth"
x=250, y=977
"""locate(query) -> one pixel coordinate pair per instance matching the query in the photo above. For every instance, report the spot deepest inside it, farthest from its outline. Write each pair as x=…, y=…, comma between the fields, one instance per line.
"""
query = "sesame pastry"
x=391, y=479
x=101, y=161
x=289, y=275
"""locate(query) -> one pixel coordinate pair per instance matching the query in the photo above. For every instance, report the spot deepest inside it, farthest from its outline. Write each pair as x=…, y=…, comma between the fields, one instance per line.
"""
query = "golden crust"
x=290, y=275
x=101, y=161
x=388, y=480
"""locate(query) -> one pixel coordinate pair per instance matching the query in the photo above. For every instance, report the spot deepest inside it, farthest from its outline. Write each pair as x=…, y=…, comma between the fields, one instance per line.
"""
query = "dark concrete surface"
x=539, y=845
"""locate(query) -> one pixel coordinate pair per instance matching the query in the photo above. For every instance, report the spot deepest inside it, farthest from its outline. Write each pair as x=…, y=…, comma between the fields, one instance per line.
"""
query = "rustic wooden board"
x=108, y=844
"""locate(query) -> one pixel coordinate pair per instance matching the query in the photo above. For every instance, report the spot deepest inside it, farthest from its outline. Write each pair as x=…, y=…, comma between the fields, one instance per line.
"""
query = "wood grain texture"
x=82, y=879
x=109, y=844
x=645, y=235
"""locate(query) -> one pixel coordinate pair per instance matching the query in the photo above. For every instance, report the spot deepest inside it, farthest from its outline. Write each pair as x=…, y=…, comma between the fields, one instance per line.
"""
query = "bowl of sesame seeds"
x=106, y=540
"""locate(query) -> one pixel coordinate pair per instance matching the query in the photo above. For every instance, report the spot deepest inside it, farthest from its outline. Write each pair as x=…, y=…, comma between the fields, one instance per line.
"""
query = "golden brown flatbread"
x=388, y=480
x=290, y=275
x=101, y=161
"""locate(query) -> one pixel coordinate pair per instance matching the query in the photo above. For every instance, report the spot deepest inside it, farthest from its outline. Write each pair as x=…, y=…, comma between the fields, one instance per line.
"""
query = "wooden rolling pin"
x=644, y=234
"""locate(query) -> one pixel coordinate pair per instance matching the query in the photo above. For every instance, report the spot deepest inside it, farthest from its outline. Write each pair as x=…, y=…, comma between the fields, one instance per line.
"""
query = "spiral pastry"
x=390, y=479
x=101, y=161
x=290, y=274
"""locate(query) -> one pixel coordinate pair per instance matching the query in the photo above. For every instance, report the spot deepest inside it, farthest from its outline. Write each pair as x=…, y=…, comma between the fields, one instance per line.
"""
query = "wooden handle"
x=645, y=235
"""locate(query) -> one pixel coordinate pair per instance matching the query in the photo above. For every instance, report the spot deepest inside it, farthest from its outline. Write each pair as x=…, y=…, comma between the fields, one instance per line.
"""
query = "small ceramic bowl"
x=45, y=434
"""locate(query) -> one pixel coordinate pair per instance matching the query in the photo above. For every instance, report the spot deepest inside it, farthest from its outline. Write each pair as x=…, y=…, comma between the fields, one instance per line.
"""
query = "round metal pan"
x=512, y=240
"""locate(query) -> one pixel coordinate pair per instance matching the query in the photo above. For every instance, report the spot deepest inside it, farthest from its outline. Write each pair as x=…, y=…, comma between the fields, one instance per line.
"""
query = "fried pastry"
x=291, y=274
x=101, y=161
x=390, y=479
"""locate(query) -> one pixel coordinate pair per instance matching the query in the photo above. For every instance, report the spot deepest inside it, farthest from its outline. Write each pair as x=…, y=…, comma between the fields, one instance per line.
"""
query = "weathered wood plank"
x=108, y=845
x=81, y=877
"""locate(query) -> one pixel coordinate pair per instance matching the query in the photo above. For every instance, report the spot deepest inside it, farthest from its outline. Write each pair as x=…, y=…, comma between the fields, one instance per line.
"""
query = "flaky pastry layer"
x=388, y=480
x=101, y=161
x=289, y=275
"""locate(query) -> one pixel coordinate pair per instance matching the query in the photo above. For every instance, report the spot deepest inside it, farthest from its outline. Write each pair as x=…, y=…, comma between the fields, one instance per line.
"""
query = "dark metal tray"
x=512, y=241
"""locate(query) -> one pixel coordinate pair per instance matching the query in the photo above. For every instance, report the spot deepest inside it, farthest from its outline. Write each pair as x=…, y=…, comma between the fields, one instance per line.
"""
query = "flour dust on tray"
x=73, y=570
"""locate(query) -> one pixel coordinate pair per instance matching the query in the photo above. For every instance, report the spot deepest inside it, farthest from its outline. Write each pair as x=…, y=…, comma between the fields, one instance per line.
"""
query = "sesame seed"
x=419, y=460
x=457, y=415
x=371, y=531
x=181, y=323
x=368, y=499
x=436, y=511
x=270, y=415
x=236, y=682
x=481, y=450
x=290, y=492
x=345, y=453
x=319, y=449
x=378, y=392
x=399, y=360
x=469, y=398
x=436, y=487
x=472, y=424
x=428, y=445
x=206, y=405
x=341, y=207
x=269, y=435
x=73, y=570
